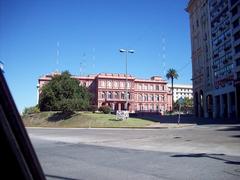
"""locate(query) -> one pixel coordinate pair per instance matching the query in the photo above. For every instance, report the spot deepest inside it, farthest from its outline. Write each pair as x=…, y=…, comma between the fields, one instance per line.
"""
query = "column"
x=119, y=106
x=214, y=107
x=229, y=105
x=221, y=105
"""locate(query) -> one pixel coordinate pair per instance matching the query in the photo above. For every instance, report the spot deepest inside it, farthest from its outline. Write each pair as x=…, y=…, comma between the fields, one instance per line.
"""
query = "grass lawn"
x=81, y=119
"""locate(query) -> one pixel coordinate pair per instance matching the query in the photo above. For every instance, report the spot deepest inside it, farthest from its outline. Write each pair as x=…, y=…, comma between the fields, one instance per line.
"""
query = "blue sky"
x=89, y=33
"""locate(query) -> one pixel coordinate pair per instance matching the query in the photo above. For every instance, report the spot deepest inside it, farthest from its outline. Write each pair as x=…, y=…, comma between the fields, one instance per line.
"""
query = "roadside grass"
x=81, y=120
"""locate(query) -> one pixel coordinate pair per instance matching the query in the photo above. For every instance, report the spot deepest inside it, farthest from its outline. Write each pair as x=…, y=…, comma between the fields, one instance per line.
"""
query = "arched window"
x=129, y=96
x=109, y=83
x=103, y=95
x=103, y=83
x=151, y=107
x=122, y=95
x=145, y=97
x=162, y=98
x=152, y=97
x=140, y=86
x=116, y=95
x=140, y=97
x=157, y=97
x=115, y=84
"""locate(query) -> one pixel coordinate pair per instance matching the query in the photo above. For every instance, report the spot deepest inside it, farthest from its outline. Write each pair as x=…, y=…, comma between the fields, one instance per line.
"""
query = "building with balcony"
x=215, y=37
x=148, y=95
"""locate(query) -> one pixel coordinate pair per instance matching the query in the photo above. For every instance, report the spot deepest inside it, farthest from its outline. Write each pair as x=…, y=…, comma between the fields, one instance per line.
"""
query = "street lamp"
x=126, y=93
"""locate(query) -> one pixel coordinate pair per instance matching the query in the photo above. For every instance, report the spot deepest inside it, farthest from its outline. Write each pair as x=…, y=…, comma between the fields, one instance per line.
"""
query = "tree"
x=188, y=104
x=172, y=74
x=64, y=93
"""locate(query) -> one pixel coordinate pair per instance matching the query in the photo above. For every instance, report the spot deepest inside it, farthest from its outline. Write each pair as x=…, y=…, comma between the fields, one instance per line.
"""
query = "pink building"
x=151, y=95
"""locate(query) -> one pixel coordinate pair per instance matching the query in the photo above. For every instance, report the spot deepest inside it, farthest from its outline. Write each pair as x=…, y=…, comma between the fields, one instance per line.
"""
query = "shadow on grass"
x=61, y=116
x=115, y=120
x=211, y=156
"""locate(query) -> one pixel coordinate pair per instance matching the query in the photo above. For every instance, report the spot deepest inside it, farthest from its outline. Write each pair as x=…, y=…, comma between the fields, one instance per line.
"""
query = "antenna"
x=164, y=55
x=57, y=59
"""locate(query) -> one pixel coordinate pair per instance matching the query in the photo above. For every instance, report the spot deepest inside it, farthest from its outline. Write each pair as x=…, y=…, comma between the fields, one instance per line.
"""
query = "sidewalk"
x=169, y=125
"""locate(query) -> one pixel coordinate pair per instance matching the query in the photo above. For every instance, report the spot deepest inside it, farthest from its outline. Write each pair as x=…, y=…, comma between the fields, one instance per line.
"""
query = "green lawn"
x=81, y=119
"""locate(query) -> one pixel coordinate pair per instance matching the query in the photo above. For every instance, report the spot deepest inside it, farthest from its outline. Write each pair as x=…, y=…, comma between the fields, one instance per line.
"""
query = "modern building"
x=215, y=37
x=151, y=95
x=181, y=90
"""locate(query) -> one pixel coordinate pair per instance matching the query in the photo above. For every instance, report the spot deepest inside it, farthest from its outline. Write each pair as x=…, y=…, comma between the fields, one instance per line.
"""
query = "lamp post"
x=126, y=51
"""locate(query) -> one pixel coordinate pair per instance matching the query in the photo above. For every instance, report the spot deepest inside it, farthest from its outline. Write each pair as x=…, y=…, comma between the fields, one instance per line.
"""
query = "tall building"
x=181, y=90
x=215, y=37
x=148, y=95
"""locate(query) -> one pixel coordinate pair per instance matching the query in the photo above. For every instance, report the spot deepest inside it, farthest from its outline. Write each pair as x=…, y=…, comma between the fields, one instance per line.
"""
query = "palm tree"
x=172, y=74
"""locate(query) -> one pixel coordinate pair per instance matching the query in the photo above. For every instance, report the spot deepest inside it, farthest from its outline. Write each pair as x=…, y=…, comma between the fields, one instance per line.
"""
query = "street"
x=194, y=152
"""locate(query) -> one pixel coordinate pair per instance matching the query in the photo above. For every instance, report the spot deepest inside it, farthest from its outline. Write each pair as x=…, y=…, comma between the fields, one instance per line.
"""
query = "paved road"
x=197, y=152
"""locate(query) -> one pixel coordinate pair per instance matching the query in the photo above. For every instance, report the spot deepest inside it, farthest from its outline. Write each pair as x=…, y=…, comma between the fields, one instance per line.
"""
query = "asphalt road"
x=196, y=152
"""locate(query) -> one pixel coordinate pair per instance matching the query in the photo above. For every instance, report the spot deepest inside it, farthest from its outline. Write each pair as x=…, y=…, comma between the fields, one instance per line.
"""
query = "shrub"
x=93, y=108
x=31, y=110
x=105, y=109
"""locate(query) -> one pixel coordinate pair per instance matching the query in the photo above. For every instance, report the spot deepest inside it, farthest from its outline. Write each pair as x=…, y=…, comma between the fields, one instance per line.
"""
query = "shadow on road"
x=184, y=119
x=211, y=156
x=59, y=177
x=231, y=128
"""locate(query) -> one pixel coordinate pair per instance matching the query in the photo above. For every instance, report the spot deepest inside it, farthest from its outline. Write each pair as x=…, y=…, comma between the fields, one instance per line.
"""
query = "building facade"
x=181, y=90
x=151, y=95
x=215, y=37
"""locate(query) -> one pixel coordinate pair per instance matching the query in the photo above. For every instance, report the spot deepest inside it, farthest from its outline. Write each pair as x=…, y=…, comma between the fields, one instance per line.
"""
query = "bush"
x=93, y=108
x=105, y=109
x=31, y=110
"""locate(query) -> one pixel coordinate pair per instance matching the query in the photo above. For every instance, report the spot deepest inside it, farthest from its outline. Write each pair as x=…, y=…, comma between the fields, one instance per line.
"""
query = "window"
x=234, y=11
x=237, y=49
x=162, y=98
x=157, y=97
x=122, y=95
x=116, y=95
x=102, y=83
x=237, y=36
x=140, y=86
x=236, y=23
x=151, y=107
x=145, y=97
x=109, y=83
x=145, y=87
x=109, y=95
x=129, y=96
x=121, y=84
x=103, y=95
x=238, y=75
x=115, y=84
x=238, y=62
x=157, y=87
